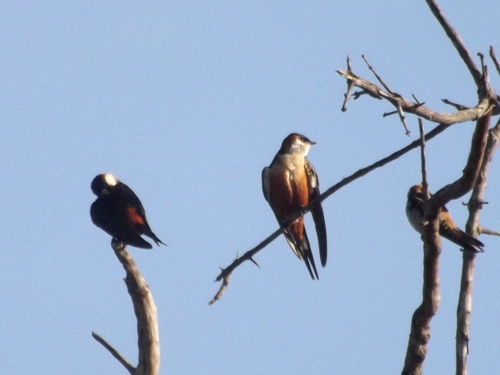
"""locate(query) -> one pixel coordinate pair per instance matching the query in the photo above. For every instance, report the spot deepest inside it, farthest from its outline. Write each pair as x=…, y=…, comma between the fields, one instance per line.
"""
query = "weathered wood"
x=147, y=320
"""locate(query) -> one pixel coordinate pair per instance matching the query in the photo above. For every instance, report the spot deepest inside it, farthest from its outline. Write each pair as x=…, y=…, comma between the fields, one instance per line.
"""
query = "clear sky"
x=186, y=102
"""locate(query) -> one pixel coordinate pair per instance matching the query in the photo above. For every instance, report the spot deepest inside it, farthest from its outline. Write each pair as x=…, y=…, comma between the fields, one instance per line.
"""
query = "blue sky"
x=186, y=102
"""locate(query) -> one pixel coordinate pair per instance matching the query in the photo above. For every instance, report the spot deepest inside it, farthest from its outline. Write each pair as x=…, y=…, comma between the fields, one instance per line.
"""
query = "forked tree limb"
x=147, y=321
x=418, y=109
x=473, y=227
x=420, y=322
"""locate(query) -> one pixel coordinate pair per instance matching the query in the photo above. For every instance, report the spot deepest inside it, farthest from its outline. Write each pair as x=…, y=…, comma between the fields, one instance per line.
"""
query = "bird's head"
x=102, y=184
x=296, y=144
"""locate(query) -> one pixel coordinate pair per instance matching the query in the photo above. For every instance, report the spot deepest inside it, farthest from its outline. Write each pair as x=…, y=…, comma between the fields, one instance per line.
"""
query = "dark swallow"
x=119, y=212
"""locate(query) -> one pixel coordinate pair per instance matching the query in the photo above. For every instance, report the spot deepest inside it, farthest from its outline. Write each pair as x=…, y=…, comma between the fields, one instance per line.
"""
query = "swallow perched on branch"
x=289, y=184
x=447, y=228
x=119, y=212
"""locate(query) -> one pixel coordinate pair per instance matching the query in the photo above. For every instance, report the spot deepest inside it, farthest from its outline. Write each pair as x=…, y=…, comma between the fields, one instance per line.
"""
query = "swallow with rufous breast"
x=119, y=212
x=447, y=228
x=289, y=184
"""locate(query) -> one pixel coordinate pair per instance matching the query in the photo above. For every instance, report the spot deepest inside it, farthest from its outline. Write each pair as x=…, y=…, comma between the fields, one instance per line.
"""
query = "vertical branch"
x=420, y=324
x=147, y=321
x=425, y=185
x=145, y=312
x=464, y=307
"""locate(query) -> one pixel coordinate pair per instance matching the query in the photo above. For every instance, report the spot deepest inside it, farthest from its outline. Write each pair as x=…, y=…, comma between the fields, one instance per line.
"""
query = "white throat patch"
x=110, y=179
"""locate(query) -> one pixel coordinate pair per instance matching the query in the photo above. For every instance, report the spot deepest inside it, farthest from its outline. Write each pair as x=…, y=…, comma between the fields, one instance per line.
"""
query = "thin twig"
x=457, y=106
x=387, y=114
x=386, y=87
x=489, y=232
x=403, y=120
x=350, y=87
x=114, y=353
x=494, y=58
x=425, y=185
x=223, y=287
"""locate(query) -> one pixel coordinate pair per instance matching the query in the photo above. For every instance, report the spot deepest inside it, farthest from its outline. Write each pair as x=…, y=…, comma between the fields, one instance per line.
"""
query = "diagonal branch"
x=466, y=182
x=386, y=87
x=114, y=353
x=456, y=40
x=226, y=272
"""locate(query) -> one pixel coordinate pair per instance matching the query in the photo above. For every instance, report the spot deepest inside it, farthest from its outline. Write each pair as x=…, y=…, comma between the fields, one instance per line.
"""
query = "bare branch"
x=459, y=107
x=114, y=353
x=489, y=232
x=456, y=40
x=145, y=311
x=223, y=287
x=350, y=87
x=420, y=322
x=403, y=120
x=417, y=109
x=465, y=183
x=425, y=185
x=475, y=204
x=420, y=325
x=494, y=58
x=386, y=87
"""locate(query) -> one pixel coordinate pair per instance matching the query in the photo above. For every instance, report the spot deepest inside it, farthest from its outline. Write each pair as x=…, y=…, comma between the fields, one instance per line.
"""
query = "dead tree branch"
x=475, y=204
x=420, y=323
x=422, y=158
x=147, y=320
x=114, y=353
x=456, y=40
x=495, y=60
x=386, y=87
x=409, y=106
x=489, y=231
x=459, y=107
